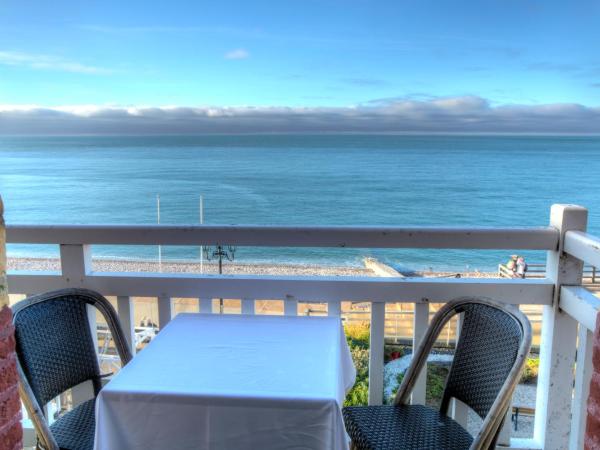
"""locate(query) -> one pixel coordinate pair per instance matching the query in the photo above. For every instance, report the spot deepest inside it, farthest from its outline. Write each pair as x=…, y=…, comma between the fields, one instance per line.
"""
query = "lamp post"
x=220, y=252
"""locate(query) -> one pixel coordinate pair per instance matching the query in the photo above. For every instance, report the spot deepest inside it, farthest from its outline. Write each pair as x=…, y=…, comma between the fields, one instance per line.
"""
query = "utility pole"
x=158, y=222
x=201, y=223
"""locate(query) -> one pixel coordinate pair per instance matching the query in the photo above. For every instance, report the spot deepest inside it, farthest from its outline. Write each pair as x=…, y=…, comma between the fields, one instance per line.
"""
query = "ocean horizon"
x=283, y=179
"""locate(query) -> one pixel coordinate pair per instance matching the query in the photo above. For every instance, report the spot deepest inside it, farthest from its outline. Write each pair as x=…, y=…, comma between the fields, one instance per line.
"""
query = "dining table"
x=228, y=381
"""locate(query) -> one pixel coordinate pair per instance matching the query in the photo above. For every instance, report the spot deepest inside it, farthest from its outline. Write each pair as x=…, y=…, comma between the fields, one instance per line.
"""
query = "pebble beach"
x=229, y=268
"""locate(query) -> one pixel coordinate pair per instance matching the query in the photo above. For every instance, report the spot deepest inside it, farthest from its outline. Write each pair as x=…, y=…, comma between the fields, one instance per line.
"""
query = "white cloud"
x=442, y=115
x=238, y=53
x=47, y=62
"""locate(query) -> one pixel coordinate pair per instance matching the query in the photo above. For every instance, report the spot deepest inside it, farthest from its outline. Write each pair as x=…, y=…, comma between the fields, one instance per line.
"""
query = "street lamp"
x=220, y=251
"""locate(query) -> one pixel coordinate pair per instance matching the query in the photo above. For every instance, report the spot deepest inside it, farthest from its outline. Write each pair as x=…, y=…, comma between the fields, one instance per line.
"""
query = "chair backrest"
x=54, y=342
x=487, y=348
x=492, y=348
x=55, y=346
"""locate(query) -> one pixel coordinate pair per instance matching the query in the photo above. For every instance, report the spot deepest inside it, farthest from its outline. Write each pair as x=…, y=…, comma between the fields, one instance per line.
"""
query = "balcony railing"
x=569, y=310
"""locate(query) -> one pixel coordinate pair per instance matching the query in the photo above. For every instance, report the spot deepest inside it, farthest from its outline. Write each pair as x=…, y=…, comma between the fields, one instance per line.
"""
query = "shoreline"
x=211, y=268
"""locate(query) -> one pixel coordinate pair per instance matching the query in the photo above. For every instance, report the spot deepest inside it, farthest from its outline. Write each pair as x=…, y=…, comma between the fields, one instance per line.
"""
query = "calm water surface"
x=301, y=180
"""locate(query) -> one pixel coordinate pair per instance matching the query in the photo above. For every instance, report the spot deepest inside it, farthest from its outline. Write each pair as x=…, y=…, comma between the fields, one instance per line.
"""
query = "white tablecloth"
x=231, y=382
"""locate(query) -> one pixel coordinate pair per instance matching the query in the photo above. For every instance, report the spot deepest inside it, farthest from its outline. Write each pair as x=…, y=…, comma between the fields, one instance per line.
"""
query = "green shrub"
x=357, y=335
x=358, y=395
x=361, y=362
x=436, y=382
x=530, y=372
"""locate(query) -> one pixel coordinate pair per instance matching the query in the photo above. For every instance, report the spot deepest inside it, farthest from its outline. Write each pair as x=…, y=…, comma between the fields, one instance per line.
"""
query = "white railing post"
x=165, y=310
x=583, y=376
x=558, y=339
x=506, y=430
x=126, y=317
x=206, y=305
x=376, y=351
x=420, y=324
x=290, y=306
x=93, y=322
x=76, y=264
x=334, y=308
x=81, y=393
x=459, y=411
x=247, y=306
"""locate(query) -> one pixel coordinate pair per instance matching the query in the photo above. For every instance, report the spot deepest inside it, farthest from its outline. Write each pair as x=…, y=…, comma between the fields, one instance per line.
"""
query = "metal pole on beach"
x=158, y=222
x=201, y=223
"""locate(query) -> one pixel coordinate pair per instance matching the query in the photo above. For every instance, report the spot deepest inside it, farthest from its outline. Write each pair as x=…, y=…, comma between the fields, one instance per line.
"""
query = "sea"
x=388, y=180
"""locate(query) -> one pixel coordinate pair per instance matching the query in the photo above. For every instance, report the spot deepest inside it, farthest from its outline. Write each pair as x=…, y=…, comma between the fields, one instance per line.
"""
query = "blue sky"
x=314, y=54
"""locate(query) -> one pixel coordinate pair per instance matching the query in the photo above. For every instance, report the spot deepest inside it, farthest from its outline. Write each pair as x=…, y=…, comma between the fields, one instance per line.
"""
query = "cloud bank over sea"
x=467, y=114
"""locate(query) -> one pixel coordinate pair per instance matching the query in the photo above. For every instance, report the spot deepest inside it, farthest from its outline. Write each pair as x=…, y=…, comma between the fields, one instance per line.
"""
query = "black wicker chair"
x=491, y=352
x=56, y=352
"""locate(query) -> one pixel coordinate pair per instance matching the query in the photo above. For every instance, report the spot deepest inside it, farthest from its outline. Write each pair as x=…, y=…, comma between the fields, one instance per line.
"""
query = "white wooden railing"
x=567, y=306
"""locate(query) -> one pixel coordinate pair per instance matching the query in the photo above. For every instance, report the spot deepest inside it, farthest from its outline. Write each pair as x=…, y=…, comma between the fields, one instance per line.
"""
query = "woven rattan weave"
x=55, y=352
x=491, y=351
x=75, y=429
x=370, y=427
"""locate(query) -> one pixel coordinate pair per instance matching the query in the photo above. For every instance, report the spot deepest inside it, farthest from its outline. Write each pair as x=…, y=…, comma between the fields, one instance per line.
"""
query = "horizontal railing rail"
x=315, y=288
x=580, y=304
x=583, y=246
x=541, y=238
